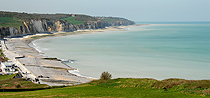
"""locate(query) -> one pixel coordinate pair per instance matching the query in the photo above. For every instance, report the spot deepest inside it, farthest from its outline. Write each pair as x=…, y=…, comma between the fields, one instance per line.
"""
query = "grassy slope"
x=7, y=82
x=129, y=88
x=10, y=22
x=97, y=91
x=108, y=20
x=72, y=20
x=2, y=56
x=6, y=77
x=113, y=19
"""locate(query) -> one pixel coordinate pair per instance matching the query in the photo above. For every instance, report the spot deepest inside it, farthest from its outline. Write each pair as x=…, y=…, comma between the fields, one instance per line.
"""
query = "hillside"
x=18, y=24
x=8, y=82
x=126, y=88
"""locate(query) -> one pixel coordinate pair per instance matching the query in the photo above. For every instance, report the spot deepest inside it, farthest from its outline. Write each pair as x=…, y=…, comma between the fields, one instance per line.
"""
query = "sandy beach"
x=33, y=64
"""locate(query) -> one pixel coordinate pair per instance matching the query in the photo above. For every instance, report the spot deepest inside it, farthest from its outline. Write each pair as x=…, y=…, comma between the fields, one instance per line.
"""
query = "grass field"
x=6, y=77
x=8, y=82
x=10, y=22
x=108, y=20
x=127, y=88
x=2, y=56
x=72, y=20
x=90, y=91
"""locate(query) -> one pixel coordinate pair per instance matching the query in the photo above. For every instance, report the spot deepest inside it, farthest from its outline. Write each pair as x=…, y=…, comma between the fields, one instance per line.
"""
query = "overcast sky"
x=137, y=10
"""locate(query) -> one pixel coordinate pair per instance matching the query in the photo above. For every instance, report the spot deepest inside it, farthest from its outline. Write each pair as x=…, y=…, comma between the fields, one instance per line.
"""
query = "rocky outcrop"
x=47, y=25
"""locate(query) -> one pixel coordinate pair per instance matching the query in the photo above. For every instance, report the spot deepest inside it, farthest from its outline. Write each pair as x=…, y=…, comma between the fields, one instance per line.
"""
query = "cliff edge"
x=18, y=24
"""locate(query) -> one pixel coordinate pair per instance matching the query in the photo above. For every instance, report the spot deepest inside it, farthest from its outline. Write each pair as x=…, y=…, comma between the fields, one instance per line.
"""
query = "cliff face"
x=46, y=25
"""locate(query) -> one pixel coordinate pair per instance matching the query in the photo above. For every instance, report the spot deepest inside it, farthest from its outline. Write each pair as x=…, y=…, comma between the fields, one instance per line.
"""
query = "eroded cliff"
x=33, y=25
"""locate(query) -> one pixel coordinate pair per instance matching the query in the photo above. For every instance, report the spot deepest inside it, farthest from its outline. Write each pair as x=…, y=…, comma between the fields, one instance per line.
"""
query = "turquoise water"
x=151, y=51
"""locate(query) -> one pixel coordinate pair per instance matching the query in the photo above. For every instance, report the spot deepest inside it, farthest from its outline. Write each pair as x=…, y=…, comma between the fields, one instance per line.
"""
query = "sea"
x=158, y=50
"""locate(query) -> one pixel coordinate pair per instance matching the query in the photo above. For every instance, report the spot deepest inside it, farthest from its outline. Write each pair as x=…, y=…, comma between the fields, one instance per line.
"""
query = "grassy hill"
x=72, y=20
x=15, y=19
x=112, y=19
x=127, y=88
x=9, y=22
x=8, y=82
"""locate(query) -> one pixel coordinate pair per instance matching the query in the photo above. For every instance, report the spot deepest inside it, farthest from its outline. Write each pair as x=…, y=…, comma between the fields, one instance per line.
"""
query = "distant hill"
x=16, y=24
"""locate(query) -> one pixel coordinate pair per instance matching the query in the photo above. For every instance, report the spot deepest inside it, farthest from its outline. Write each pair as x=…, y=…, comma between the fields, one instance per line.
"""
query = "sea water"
x=160, y=51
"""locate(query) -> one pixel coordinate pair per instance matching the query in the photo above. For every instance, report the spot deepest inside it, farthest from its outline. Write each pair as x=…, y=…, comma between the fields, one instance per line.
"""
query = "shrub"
x=17, y=85
x=105, y=76
x=206, y=92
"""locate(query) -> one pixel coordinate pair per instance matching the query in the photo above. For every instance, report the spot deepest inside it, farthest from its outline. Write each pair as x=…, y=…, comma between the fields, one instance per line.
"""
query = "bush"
x=105, y=76
x=206, y=92
x=17, y=85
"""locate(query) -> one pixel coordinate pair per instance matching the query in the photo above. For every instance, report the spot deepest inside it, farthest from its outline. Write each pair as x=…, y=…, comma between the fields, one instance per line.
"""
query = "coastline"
x=85, y=50
x=34, y=64
x=29, y=38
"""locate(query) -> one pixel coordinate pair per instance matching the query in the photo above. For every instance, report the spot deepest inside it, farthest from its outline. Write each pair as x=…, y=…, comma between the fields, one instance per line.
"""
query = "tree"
x=105, y=76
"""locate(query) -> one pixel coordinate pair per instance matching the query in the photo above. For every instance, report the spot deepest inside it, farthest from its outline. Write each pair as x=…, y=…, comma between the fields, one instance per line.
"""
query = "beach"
x=33, y=65
x=158, y=51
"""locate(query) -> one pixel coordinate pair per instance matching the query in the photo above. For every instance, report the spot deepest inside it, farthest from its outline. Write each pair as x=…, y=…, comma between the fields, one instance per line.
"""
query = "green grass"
x=127, y=88
x=8, y=82
x=6, y=77
x=12, y=84
x=90, y=91
x=10, y=22
x=72, y=20
x=2, y=56
x=108, y=20
x=97, y=91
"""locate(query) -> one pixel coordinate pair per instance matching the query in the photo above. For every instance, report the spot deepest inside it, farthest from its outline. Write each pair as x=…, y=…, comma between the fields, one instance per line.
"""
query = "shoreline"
x=59, y=34
x=92, y=61
x=34, y=64
x=30, y=38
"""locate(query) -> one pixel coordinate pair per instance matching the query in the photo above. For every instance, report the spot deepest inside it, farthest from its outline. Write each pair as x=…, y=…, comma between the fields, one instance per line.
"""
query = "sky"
x=136, y=10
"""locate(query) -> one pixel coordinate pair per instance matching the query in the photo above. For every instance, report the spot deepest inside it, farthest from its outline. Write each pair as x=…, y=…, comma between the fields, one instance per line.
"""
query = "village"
x=9, y=67
x=25, y=62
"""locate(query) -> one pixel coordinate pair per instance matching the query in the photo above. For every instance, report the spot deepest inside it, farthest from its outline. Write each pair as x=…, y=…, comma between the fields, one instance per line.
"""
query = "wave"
x=33, y=45
x=76, y=72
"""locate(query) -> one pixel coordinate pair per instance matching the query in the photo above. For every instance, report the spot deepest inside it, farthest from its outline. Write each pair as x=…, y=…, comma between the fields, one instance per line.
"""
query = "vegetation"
x=19, y=83
x=72, y=20
x=10, y=22
x=106, y=76
x=113, y=19
x=130, y=88
x=24, y=16
x=8, y=82
x=85, y=18
x=108, y=20
x=14, y=19
x=6, y=77
x=2, y=57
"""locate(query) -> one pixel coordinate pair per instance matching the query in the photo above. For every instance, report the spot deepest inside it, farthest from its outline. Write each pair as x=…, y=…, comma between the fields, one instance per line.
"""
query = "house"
x=73, y=15
x=9, y=68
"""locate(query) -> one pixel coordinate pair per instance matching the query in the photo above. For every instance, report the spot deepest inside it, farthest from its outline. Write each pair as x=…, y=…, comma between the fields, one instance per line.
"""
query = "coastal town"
x=27, y=63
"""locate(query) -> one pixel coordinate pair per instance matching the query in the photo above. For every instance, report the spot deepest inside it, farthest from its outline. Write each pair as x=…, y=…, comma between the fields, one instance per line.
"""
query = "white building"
x=9, y=67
